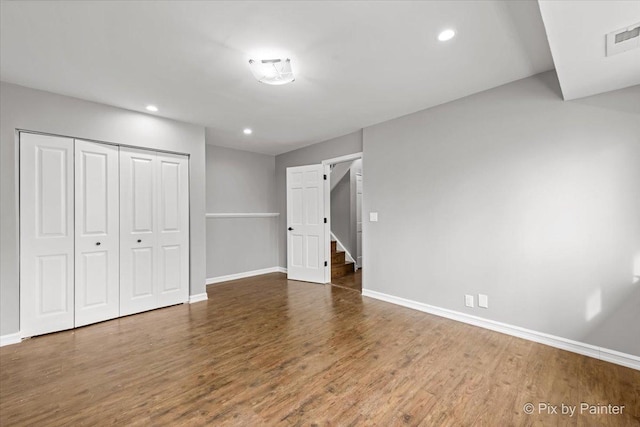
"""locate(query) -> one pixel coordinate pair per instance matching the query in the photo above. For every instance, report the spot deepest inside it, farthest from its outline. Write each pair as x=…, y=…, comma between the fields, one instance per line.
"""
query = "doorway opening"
x=343, y=207
x=324, y=222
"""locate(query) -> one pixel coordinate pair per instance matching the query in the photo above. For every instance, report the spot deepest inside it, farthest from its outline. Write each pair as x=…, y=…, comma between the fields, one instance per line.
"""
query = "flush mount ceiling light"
x=446, y=35
x=247, y=131
x=272, y=71
x=152, y=108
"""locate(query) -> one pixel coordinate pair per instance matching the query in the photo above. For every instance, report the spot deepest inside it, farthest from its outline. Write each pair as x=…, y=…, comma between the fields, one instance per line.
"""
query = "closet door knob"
x=97, y=243
x=139, y=241
x=290, y=229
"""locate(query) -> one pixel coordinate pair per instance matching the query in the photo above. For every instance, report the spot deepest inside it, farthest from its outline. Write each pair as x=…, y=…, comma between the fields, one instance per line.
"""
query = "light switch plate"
x=483, y=301
x=468, y=300
x=373, y=216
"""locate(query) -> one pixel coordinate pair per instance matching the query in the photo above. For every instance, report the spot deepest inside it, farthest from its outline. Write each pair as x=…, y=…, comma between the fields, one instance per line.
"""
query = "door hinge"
x=325, y=176
x=325, y=220
x=325, y=263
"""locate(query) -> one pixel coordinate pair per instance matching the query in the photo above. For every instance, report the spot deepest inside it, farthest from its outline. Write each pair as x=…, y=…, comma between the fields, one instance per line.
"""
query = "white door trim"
x=341, y=159
x=117, y=144
x=327, y=227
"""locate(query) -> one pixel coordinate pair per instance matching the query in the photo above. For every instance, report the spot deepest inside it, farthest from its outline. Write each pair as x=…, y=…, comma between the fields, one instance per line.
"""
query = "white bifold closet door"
x=46, y=234
x=104, y=232
x=97, y=233
x=154, y=230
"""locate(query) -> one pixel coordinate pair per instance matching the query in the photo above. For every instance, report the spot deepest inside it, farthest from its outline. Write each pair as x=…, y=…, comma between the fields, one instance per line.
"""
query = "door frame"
x=327, y=205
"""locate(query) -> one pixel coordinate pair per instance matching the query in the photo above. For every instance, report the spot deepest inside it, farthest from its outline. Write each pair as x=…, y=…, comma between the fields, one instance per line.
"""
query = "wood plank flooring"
x=352, y=280
x=267, y=351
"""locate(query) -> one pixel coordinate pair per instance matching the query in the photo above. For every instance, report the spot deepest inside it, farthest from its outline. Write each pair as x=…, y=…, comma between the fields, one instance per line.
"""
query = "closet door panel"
x=143, y=267
x=92, y=285
x=173, y=228
x=138, y=231
x=170, y=260
x=97, y=234
x=46, y=234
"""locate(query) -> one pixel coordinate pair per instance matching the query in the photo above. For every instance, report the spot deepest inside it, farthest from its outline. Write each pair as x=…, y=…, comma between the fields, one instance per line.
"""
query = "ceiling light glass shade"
x=446, y=35
x=272, y=71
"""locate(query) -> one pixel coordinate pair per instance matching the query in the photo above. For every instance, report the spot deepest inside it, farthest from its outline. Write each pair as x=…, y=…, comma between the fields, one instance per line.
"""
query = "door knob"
x=290, y=229
x=97, y=243
x=139, y=241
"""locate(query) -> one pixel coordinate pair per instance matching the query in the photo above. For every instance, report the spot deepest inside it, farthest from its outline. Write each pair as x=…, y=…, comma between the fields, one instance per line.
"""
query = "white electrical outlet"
x=483, y=301
x=468, y=300
x=373, y=216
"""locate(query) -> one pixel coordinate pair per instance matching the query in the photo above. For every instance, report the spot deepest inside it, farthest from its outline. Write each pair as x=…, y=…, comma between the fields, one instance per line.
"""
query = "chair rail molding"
x=243, y=215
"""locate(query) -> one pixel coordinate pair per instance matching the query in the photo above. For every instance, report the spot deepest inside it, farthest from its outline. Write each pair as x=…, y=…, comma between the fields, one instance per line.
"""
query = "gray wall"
x=240, y=182
x=23, y=108
x=313, y=154
x=341, y=212
x=516, y=194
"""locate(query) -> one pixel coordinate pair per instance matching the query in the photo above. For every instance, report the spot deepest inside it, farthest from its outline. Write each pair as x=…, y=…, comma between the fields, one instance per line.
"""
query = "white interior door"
x=46, y=234
x=359, y=220
x=305, y=223
x=138, y=245
x=97, y=233
x=173, y=229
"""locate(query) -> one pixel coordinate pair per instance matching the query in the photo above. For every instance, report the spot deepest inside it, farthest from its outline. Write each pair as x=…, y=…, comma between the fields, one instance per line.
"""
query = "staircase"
x=339, y=267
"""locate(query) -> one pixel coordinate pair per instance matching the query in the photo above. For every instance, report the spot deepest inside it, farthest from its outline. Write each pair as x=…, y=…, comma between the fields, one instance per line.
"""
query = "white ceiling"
x=357, y=63
x=576, y=32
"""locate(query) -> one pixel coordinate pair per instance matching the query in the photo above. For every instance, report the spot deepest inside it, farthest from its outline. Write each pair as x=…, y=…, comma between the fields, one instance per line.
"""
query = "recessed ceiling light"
x=152, y=108
x=247, y=131
x=446, y=35
x=272, y=71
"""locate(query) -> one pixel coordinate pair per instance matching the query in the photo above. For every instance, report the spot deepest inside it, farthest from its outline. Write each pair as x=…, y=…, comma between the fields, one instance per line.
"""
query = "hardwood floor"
x=267, y=351
x=352, y=280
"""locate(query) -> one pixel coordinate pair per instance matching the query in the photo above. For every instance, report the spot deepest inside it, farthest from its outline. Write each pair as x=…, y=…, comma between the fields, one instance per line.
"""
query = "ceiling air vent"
x=623, y=39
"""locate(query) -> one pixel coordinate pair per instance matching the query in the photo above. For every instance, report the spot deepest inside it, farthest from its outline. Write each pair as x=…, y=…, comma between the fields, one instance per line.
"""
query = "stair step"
x=337, y=258
x=340, y=270
x=333, y=246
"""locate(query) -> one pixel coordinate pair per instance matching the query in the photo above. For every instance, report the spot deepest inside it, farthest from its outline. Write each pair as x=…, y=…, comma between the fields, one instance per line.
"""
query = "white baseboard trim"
x=623, y=359
x=198, y=297
x=10, y=339
x=219, y=279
